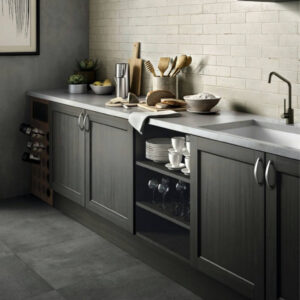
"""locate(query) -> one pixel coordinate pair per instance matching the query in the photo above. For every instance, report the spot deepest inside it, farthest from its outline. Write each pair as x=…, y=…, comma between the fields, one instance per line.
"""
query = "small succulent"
x=77, y=79
x=88, y=64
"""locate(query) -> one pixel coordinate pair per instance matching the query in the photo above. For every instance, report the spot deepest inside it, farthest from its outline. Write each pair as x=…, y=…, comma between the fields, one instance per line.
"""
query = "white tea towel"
x=138, y=119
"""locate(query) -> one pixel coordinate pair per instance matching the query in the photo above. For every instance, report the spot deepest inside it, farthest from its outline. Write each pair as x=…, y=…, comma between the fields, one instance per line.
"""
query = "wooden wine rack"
x=40, y=174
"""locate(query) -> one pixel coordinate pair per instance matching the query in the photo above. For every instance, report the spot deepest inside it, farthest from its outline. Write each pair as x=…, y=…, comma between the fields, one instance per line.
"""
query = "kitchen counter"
x=187, y=123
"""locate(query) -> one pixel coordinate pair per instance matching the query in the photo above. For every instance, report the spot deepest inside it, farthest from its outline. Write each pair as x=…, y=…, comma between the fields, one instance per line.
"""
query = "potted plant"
x=87, y=68
x=77, y=84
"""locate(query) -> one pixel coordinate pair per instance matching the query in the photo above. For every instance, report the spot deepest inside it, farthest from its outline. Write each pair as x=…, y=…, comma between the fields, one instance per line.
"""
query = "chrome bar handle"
x=258, y=172
x=270, y=177
x=86, y=123
x=80, y=123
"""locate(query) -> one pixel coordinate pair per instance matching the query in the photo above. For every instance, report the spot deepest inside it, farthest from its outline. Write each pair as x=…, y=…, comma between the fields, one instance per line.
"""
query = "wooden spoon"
x=180, y=64
x=173, y=66
x=163, y=65
x=149, y=67
x=187, y=63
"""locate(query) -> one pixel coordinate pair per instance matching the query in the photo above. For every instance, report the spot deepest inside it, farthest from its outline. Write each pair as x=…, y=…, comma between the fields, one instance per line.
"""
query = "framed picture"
x=19, y=23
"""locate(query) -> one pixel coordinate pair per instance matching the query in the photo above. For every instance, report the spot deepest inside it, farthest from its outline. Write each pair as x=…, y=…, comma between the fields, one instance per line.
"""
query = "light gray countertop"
x=187, y=123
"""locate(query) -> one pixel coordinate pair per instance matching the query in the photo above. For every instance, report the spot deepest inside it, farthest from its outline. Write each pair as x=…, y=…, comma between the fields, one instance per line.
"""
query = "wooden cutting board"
x=153, y=108
x=136, y=66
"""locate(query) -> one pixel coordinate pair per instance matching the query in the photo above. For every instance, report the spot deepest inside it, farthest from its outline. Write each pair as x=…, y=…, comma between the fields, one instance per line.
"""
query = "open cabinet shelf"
x=165, y=214
x=163, y=233
x=160, y=168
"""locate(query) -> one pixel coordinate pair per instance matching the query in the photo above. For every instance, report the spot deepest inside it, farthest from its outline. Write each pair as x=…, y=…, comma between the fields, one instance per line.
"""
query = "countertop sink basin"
x=284, y=135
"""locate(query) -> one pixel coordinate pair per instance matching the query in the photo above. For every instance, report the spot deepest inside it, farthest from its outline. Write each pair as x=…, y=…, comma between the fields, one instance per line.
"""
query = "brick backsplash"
x=234, y=45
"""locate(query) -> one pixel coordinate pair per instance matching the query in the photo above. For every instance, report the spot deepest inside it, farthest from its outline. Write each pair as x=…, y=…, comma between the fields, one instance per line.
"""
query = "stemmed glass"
x=153, y=185
x=181, y=187
x=164, y=188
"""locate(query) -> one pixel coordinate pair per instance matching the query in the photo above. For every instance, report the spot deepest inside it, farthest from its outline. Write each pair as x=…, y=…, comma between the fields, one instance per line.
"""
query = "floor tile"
x=44, y=255
x=52, y=295
x=23, y=207
x=18, y=282
x=4, y=250
x=136, y=283
x=70, y=262
x=25, y=234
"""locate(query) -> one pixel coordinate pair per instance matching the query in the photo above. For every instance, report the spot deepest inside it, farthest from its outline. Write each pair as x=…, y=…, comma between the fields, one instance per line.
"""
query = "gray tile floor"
x=45, y=255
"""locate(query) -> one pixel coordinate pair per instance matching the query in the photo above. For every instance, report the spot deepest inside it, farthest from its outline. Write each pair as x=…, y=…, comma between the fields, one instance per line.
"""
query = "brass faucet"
x=288, y=115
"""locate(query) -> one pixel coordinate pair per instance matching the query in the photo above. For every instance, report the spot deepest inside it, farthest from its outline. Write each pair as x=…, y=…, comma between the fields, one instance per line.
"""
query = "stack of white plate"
x=157, y=149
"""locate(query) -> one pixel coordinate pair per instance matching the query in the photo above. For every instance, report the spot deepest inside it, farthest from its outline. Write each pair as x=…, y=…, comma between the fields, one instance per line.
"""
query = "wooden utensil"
x=180, y=64
x=163, y=65
x=135, y=64
x=187, y=63
x=173, y=66
x=149, y=67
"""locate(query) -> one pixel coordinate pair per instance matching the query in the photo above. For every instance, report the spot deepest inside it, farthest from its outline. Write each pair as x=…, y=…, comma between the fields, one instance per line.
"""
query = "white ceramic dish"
x=102, y=90
x=185, y=171
x=170, y=167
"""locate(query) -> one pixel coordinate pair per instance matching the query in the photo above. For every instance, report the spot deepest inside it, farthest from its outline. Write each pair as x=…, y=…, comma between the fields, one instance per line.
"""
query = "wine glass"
x=164, y=188
x=153, y=185
x=181, y=187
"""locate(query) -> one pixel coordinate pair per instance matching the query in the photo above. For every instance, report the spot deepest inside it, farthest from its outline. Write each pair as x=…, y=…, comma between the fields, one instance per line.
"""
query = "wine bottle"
x=31, y=158
x=35, y=146
x=25, y=128
x=31, y=131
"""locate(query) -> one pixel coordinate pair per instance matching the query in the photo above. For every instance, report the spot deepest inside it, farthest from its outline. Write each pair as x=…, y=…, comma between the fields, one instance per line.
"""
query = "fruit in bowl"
x=102, y=88
x=107, y=82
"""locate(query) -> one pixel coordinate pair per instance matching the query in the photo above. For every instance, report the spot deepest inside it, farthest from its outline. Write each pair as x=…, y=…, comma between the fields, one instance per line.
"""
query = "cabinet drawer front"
x=229, y=218
x=67, y=153
x=283, y=232
x=110, y=172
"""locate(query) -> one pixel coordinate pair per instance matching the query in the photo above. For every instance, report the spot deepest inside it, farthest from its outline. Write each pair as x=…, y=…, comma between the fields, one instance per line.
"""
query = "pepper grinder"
x=122, y=80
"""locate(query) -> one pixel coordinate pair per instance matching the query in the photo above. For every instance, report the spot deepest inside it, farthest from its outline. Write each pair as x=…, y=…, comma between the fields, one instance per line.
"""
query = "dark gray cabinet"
x=92, y=162
x=245, y=219
x=228, y=208
x=283, y=232
x=109, y=168
x=67, y=152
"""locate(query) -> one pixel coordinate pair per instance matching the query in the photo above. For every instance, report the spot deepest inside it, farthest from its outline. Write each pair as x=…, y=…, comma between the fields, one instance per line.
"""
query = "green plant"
x=88, y=64
x=77, y=79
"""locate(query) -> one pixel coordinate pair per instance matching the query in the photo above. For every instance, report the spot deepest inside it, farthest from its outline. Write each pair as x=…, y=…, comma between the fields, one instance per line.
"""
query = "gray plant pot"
x=77, y=88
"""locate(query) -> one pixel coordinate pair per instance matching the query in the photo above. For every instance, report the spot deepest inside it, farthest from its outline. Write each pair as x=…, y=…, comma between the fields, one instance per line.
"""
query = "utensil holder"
x=167, y=84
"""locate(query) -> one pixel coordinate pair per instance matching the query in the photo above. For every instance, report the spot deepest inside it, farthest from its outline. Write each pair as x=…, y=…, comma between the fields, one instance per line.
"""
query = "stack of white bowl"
x=157, y=149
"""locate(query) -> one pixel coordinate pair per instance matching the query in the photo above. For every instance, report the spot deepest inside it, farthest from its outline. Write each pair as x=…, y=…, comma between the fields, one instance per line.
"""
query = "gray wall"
x=64, y=38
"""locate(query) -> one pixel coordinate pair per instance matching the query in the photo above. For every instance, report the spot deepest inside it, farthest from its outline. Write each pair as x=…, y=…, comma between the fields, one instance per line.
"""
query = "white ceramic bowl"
x=200, y=105
x=102, y=90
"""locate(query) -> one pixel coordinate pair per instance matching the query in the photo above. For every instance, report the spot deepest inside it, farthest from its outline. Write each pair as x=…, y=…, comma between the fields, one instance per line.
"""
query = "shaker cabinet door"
x=67, y=152
x=227, y=206
x=283, y=233
x=109, y=172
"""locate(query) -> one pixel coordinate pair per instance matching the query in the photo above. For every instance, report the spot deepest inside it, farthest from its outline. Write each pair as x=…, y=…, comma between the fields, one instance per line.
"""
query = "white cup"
x=178, y=143
x=175, y=158
x=188, y=147
x=187, y=162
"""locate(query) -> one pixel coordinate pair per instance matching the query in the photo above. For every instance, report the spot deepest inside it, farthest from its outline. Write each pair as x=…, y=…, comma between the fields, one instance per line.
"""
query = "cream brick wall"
x=234, y=44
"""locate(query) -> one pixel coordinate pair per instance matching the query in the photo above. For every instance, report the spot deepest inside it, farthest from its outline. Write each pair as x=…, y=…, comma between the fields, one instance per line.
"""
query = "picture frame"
x=20, y=27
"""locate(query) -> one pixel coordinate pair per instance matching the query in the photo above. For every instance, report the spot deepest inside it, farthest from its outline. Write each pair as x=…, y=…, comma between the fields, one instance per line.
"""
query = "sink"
x=288, y=136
